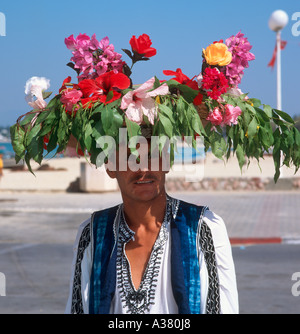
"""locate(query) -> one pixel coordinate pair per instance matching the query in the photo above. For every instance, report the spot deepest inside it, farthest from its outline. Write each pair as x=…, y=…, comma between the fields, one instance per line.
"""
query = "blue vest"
x=185, y=273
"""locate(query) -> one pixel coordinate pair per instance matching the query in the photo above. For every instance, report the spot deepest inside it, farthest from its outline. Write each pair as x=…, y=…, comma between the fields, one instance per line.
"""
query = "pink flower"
x=83, y=41
x=240, y=48
x=140, y=101
x=92, y=58
x=224, y=115
x=231, y=114
x=71, y=43
x=215, y=117
x=70, y=97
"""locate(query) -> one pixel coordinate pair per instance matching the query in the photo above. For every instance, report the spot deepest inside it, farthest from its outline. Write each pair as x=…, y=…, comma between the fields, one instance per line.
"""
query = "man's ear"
x=110, y=173
x=111, y=165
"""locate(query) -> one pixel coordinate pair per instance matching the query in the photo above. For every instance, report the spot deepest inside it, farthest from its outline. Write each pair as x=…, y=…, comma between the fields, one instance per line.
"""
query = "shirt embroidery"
x=208, y=249
x=85, y=238
x=139, y=301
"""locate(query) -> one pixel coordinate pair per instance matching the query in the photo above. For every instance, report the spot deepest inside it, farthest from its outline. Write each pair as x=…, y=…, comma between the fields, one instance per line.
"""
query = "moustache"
x=139, y=176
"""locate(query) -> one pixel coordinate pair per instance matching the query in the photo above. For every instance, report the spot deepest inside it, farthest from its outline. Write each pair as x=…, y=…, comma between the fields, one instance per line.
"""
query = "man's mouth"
x=144, y=182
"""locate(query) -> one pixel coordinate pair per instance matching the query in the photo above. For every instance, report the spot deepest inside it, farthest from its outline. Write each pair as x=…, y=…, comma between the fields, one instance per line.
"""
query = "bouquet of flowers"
x=104, y=99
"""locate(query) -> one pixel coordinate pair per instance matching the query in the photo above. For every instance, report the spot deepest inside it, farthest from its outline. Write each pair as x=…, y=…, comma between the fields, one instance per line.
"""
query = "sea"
x=7, y=150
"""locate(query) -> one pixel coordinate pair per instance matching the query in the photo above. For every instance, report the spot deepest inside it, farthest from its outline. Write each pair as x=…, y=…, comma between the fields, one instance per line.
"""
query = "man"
x=152, y=253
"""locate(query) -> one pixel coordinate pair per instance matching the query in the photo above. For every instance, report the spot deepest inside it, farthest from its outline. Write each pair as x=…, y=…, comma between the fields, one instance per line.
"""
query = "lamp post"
x=278, y=20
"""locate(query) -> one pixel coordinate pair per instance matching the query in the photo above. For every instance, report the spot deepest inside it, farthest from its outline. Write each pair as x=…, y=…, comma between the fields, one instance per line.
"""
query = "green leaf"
x=277, y=154
x=268, y=110
x=46, y=116
x=98, y=109
x=188, y=93
x=117, y=121
x=218, y=144
x=98, y=130
x=252, y=128
x=46, y=95
x=242, y=135
x=284, y=116
x=197, y=125
x=52, y=103
x=166, y=111
x=250, y=108
x=167, y=125
x=266, y=136
x=46, y=128
x=77, y=125
x=35, y=149
x=133, y=128
x=263, y=117
x=180, y=109
x=172, y=83
x=106, y=118
x=230, y=132
x=109, y=96
x=297, y=137
x=52, y=144
x=256, y=102
x=30, y=134
x=17, y=139
x=88, y=136
x=246, y=118
x=156, y=83
x=27, y=160
x=63, y=130
x=128, y=52
x=240, y=156
x=27, y=119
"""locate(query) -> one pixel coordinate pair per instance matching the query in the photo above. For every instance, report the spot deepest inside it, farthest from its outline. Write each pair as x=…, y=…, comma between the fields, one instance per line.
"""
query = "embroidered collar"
x=125, y=232
x=139, y=300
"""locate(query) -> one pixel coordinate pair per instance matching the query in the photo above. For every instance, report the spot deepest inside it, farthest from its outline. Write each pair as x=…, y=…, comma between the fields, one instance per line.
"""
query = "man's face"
x=140, y=181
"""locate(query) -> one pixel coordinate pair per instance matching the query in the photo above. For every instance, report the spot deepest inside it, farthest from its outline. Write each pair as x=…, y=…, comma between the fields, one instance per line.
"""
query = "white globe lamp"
x=278, y=20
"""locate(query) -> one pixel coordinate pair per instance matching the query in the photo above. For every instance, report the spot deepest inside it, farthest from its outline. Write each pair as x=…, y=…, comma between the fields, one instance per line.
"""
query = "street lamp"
x=278, y=20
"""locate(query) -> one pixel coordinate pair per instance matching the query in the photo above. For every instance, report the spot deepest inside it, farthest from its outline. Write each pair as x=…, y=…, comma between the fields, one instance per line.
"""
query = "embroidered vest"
x=185, y=273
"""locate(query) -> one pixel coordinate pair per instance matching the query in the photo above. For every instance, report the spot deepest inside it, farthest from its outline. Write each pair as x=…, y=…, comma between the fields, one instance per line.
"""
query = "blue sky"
x=35, y=32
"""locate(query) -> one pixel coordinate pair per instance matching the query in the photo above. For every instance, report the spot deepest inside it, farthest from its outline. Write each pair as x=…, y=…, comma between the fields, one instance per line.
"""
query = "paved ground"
x=37, y=231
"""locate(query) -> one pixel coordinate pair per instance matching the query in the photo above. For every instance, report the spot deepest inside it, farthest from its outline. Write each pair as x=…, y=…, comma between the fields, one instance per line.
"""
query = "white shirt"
x=163, y=301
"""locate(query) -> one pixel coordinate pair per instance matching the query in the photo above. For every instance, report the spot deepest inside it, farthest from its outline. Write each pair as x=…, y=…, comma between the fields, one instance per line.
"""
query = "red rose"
x=142, y=45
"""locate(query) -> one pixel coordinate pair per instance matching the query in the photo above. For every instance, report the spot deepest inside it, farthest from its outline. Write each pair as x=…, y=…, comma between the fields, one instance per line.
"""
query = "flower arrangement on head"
x=104, y=99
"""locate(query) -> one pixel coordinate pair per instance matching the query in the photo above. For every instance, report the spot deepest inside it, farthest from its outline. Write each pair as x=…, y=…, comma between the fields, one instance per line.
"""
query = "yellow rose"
x=217, y=54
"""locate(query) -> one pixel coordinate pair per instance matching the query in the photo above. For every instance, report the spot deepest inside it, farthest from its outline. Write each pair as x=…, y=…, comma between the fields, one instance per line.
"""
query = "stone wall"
x=233, y=184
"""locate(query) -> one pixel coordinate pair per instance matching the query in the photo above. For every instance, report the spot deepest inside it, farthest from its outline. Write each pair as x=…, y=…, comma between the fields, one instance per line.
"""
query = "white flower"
x=42, y=82
x=199, y=80
x=34, y=88
x=141, y=101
